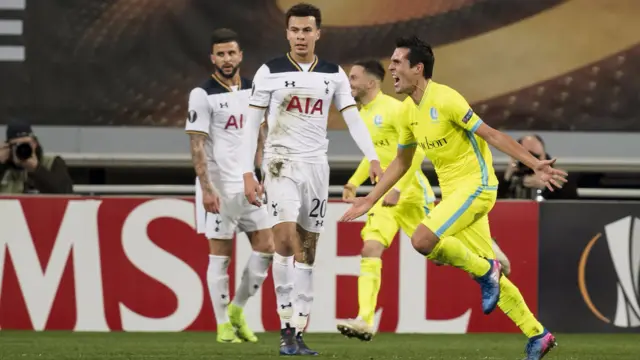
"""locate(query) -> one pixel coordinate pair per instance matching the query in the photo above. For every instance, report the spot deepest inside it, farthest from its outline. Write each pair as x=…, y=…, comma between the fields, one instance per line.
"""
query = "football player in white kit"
x=217, y=113
x=297, y=89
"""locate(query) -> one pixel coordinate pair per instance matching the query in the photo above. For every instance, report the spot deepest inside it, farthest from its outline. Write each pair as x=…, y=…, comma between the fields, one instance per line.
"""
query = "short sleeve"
x=342, y=97
x=260, y=92
x=199, y=118
x=404, y=118
x=461, y=113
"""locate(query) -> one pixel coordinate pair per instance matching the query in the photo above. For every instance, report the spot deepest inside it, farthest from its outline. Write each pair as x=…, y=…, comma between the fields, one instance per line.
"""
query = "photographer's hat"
x=18, y=129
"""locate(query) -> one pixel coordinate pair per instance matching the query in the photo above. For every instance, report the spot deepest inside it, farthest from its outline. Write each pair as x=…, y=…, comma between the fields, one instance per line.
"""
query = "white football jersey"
x=297, y=103
x=219, y=111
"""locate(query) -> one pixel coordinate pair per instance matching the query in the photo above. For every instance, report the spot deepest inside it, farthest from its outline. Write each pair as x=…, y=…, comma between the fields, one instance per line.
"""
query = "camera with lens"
x=22, y=151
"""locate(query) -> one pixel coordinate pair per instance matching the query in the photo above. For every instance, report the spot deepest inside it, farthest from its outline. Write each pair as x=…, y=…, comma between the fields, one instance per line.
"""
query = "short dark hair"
x=536, y=136
x=304, y=10
x=419, y=52
x=373, y=67
x=224, y=35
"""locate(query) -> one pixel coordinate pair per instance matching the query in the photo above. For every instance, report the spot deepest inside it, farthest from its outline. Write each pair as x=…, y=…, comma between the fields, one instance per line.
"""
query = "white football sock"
x=218, y=283
x=252, y=277
x=303, y=283
x=283, y=284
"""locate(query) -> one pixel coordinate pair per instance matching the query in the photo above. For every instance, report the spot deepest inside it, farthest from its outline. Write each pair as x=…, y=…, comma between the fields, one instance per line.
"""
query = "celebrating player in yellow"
x=456, y=232
x=403, y=207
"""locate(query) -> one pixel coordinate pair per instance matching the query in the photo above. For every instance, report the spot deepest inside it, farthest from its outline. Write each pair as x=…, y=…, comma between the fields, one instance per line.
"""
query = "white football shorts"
x=296, y=192
x=236, y=214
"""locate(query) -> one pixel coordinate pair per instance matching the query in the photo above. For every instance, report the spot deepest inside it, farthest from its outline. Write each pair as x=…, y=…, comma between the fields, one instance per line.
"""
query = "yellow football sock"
x=452, y=251
x=512, y=304
x=368, y=287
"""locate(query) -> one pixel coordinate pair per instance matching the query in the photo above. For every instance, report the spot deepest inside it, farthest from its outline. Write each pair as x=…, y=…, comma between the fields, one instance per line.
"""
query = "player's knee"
x=263, y=241
x=306, y=251
x=423, y=242
x=284, y=236
x=372, y=248
x=220, y=247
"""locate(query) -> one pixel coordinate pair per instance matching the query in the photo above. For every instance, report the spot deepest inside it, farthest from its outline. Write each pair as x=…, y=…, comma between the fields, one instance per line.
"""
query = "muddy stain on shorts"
x=275, y=167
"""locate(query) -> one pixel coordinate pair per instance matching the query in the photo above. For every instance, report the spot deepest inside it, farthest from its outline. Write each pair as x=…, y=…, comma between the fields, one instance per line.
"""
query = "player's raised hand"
x=253, y=191
x=391, y=199
x=211, y=202
x=360, y=207
x=348, y=193
x=550, y=175
x=375, y=171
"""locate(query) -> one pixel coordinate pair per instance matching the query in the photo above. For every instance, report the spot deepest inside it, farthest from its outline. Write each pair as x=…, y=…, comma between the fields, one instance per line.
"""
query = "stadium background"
x=105, y=83
x=122, y=62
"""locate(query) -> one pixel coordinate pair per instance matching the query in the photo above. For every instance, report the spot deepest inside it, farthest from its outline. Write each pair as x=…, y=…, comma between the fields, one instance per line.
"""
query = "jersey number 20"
x=319, y=208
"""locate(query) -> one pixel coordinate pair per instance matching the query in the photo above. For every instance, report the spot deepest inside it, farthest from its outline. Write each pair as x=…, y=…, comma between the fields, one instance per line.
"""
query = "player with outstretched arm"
x=403, y=207
x=456, y=232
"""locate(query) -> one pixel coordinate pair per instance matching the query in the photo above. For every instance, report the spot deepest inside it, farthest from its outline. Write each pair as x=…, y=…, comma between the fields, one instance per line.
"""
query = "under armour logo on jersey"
x=292, y=83
x=224, y=105
x=275, y=208
x=303, y=315
x=286, y=306
x=319, y=223
x=326, y=90
x=415, y=123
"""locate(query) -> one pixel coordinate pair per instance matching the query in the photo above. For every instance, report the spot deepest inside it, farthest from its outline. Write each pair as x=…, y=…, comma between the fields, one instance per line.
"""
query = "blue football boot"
x=538, y=346
x=288, y=344
x=490, y=286
x=303, y=349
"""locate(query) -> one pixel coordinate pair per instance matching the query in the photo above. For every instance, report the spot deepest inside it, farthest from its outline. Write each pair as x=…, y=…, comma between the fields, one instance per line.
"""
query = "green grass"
x=187, y=346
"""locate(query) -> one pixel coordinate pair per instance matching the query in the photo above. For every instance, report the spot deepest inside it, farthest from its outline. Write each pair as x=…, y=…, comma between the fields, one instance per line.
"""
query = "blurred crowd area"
x=525, y=65
x=532, y=66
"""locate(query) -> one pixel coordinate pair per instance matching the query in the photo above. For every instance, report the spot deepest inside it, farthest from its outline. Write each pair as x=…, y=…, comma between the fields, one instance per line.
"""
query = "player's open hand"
x=550, y=175
x=392, y=198
x=253, y=191
x=348, y=193
x=375, y=171
x=360, y=207
x=211, y=202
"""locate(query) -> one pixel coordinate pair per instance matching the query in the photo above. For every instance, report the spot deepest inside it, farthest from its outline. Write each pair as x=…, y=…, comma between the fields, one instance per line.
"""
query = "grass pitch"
x=16, y=345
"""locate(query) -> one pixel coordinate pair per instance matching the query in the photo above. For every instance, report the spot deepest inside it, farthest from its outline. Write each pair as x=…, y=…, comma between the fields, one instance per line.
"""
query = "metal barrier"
x=581, y=164
x=334, y=190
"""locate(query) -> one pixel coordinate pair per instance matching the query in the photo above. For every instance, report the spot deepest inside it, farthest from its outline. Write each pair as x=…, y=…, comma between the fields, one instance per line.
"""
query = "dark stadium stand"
x=603, y=92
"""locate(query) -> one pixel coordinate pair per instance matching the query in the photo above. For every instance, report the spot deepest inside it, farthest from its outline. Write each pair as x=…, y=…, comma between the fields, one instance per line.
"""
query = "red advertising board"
x=136, y=264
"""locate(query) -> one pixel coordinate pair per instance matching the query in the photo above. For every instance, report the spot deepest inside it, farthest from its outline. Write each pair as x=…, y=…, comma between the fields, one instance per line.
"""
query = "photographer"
x=520, y=182
x=25, y=169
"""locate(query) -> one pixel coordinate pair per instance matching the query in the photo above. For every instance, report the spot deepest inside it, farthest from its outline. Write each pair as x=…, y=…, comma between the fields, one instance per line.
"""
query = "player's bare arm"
x=357, y=128
x=252, y=188
x=506, y=144
x=199, y=159
x=398, y=167
x=262, y=136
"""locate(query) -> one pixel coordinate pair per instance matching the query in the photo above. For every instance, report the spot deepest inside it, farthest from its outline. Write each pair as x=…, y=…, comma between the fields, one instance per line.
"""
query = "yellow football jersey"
x=443, y=125
x=381, y=116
